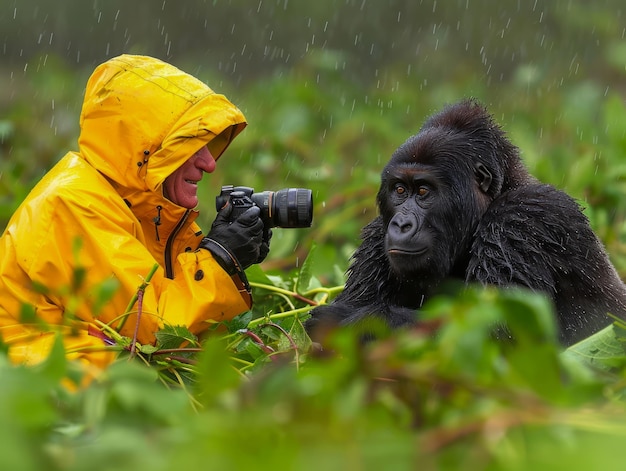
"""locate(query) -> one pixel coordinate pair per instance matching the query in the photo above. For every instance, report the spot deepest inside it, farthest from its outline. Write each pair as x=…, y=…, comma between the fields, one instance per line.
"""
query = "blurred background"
x=331, y=88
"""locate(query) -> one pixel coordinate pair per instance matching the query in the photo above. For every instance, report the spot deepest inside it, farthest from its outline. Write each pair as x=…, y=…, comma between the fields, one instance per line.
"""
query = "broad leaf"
x=602, y=350
x=174, y=336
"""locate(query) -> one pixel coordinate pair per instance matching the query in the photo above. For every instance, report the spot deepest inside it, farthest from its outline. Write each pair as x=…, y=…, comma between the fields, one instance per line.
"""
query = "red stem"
x=256, y=339
x=139, y=309
x=289, y=337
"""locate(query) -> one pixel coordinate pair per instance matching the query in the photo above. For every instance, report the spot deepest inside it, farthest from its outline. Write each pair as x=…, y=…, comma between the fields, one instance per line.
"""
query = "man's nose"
x=205, y=161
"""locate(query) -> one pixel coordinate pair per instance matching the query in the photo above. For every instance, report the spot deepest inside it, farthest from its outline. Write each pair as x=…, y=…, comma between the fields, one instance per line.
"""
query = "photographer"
x=119, y=205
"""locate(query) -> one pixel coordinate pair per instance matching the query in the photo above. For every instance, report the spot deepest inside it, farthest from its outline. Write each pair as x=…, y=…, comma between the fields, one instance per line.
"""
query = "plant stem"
x=285, y=292
x=280, y=315
x=132, y=302
x=133, y=344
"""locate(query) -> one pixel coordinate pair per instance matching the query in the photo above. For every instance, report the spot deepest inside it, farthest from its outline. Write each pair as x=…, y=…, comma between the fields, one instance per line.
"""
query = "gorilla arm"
x=370, y=287
x=537, y=237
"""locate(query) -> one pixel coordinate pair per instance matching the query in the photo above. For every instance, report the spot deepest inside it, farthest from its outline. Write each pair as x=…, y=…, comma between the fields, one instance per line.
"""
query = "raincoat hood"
x=143, y=118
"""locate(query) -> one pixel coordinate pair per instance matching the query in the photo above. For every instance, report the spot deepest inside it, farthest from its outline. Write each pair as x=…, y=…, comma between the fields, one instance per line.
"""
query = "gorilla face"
x=430, y=212
x=411, y=240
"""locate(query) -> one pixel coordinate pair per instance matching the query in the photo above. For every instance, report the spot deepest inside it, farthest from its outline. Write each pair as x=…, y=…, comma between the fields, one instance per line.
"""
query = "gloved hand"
x=242, y=237
x=265, y=245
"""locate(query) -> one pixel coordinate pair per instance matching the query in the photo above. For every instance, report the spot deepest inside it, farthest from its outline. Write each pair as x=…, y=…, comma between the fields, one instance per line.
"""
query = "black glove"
x=242, y=239
x=265, y=245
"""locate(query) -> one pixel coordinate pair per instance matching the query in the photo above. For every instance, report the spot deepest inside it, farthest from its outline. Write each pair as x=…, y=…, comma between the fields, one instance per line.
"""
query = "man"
x=123, y=203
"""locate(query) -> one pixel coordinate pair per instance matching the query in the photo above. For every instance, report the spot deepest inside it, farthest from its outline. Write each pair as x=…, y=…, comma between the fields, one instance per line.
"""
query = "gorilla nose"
x=402, y=226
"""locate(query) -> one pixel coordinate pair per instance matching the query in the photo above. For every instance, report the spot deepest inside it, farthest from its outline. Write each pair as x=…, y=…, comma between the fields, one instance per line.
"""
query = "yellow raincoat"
x=141, y=119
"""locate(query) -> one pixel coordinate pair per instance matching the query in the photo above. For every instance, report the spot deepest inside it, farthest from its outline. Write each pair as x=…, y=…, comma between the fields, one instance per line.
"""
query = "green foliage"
x=448, y=394
x=452, y=393
x=604, y=351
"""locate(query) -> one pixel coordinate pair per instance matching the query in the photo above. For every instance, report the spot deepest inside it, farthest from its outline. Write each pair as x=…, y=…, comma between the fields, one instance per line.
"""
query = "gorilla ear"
x=484, y=176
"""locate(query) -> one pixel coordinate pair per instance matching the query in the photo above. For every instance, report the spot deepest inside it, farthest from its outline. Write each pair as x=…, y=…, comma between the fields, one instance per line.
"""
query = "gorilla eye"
x=400, y=190
x=422, y=191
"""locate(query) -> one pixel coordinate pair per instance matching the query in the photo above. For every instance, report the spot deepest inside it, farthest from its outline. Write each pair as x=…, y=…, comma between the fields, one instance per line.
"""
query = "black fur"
x=456, y=202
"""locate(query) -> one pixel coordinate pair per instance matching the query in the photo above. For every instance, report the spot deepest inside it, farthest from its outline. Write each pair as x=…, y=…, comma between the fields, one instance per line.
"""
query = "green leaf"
x=130, y=392
x=27, y=413
x=601, y=350
x=54, y=367
x=306, y=271
x=174, y=336
x=529, y=316
x=239, y=322
x=254, y=349
x=78, y=278
x=104, y=292
x=216, y=375
x=28, y=314
x=147, y=349
x=255, y=274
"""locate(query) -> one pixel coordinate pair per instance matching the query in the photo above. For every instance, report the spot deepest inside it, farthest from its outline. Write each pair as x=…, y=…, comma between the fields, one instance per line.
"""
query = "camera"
x=287, y=208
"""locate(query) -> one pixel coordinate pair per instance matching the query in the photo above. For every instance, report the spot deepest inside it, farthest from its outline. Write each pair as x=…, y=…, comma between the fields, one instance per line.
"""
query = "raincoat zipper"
x=169, y=268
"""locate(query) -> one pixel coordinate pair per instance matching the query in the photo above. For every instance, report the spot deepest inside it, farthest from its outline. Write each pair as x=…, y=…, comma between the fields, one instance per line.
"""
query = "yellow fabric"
x=96, y=211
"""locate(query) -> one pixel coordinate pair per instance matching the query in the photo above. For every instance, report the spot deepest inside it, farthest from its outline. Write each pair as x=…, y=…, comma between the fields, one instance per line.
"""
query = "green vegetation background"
x=330, y=89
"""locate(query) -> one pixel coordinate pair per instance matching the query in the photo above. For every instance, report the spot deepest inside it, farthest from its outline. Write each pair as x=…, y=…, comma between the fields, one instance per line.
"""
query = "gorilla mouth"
x=407, y=252
x=407, y=261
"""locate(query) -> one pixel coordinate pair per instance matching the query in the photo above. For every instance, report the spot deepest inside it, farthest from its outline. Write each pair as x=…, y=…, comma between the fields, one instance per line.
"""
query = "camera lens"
x=294, y=207
x=288, y=208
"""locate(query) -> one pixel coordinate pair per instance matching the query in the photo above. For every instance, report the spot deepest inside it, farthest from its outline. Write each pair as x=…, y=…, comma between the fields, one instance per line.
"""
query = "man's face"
x=181, y=187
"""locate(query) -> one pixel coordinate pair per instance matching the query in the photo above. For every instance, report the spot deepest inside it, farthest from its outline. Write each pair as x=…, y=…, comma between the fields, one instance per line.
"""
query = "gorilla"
x=456, y=202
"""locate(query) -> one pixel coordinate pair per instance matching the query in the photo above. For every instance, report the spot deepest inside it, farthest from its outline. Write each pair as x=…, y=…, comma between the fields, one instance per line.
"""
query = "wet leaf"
x=175, y=336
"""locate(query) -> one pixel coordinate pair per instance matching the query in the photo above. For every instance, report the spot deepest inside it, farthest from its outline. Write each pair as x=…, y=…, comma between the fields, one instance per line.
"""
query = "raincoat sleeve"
x=201, y=293
x=111, y=247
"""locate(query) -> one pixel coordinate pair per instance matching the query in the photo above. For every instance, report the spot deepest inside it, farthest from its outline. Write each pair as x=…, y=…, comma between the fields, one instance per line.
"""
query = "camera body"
x=287, y=208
